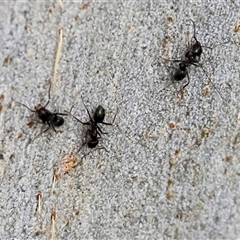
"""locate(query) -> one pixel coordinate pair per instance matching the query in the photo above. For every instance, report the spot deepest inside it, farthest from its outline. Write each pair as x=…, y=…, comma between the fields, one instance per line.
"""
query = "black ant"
x=94, y=132
x=53, y=119
x=192, y=57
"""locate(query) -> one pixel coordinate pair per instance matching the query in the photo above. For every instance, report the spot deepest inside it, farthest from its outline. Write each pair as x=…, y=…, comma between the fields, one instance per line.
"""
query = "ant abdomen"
x=57, y=121
x=92, y=143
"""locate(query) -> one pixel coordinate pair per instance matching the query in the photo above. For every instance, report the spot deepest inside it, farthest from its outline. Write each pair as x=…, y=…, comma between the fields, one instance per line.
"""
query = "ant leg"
x=100, y=130
x=50, y=124
x=199, y=65
x=105, y=123
x=109, y=124
x=188, y=80
x=87, y=110
x=84, y=123
x=99, y=148
x=42, y=132
x=81, y=147
x=71, y=108
x=34, y=119
x=61, y=114
x=92, y=150
x=26, y=107
x=211, y=48
x=174, y=60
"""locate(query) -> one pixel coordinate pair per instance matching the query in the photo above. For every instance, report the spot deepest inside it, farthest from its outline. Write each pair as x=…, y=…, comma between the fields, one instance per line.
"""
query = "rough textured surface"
x=172, y=169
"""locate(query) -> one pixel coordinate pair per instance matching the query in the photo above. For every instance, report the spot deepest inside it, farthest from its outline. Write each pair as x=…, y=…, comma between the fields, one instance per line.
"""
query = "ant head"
x=99, y=114
x=57, y=121
x=38, y=107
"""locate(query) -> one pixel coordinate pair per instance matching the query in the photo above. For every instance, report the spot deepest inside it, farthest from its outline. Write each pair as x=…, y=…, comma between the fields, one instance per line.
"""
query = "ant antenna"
x=194, y=30
x=69, y=112
x=25, y=106
x=49, y=90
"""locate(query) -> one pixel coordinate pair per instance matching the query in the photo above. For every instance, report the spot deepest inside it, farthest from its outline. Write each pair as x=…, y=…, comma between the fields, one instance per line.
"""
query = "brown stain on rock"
x=84, y=6
x=228, y=158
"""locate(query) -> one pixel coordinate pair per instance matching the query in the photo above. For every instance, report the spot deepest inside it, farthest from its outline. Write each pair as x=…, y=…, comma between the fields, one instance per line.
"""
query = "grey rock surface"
x=172, y=165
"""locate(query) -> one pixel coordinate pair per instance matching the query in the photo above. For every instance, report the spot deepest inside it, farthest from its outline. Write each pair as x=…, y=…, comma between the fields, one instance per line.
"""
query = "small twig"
x=53, y=218
x=60, y=4
x=38, y=207
x=54, y=177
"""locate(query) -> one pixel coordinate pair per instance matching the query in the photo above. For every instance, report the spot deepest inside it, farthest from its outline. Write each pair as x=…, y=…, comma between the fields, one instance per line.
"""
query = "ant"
x=192, y=57
x=53, y=119
x=94, y=132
